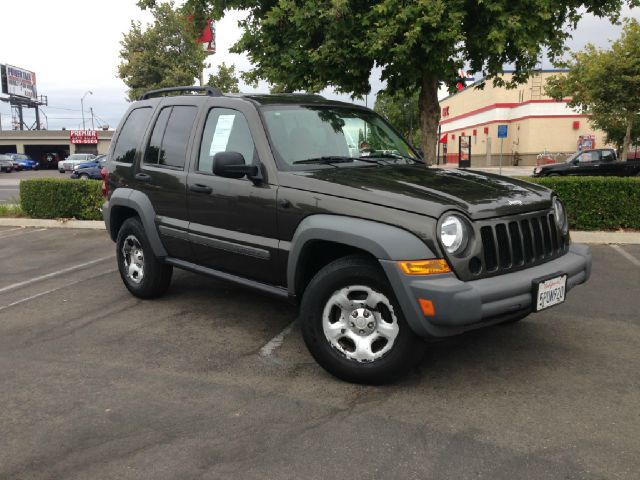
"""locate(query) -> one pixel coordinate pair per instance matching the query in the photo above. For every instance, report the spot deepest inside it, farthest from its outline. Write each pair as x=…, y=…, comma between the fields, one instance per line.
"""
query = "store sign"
x=19, y=82
x=83, y=136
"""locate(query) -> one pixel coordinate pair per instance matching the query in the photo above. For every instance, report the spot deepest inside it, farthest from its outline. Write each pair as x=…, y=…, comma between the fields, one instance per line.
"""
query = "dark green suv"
x=325, y=204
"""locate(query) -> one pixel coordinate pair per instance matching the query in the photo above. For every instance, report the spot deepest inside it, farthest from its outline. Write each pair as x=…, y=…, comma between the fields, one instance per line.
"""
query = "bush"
x=597, y=203
x=61, y=198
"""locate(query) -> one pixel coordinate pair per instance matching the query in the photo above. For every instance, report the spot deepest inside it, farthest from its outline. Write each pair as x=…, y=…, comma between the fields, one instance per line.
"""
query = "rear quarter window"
x=130, y=135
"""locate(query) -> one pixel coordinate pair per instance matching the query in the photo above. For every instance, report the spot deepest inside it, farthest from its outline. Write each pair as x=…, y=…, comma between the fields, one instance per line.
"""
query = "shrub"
x=61, y=198
x=597, y=203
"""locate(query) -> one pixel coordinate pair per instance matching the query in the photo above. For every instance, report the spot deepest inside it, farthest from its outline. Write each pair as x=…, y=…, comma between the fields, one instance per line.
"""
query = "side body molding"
x=138, y=201
x=385, y=242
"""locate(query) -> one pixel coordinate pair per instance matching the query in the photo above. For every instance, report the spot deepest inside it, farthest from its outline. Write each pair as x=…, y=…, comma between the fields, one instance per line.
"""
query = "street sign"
x=502, y=131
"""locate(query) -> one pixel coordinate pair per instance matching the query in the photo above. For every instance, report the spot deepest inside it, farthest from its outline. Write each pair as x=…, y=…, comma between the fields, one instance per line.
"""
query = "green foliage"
x=597, y=203
x=225, y=80
x=401, y=110
x=164, y=54
x=606, y=85
x=11, y=211
x=61, y=198
x=312, y=44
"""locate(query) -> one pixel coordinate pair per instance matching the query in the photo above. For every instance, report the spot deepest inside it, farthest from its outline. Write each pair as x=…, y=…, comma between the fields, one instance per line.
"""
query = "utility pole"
x=92, y=124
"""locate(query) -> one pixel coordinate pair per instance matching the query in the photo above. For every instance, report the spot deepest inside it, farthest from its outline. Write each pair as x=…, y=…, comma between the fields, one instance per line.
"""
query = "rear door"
x=162, y=172
x=233, y=221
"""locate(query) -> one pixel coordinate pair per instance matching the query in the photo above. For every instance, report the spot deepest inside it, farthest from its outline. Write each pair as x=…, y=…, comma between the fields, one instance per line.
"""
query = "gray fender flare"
x=138, y=201
x=384, y=242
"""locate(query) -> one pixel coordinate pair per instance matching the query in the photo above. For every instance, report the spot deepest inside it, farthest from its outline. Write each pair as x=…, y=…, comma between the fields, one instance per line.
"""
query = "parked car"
x=378, y=251
x=74, y=159
x=89, y=170
x=597, y=162
x=6, y=164
x=50, y=160
x=23, y=162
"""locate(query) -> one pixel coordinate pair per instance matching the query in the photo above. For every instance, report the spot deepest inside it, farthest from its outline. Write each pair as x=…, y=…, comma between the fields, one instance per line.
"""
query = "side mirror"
x=575, y=161
x=231, y=165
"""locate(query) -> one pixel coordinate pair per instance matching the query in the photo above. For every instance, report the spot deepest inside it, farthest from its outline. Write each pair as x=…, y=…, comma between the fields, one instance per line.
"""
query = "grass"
x=11, y=211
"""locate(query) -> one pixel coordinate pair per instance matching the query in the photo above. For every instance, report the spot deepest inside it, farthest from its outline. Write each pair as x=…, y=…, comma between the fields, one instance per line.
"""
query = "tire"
x=148, y=277
x=353, y=280
x=83, y=176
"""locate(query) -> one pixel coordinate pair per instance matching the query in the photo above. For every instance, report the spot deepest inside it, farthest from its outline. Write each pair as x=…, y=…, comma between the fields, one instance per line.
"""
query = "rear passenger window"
x=170, y=137
x=225, y=131
x=130, y=135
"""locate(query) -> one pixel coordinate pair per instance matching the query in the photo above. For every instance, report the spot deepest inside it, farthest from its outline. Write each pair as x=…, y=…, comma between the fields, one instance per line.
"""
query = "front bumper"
x=460, y=306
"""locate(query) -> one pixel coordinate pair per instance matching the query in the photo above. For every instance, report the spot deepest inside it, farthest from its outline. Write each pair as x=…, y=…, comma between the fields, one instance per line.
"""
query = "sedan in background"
x=90, y=170
x=24, y=162
x=72, y=160
x=6, y=164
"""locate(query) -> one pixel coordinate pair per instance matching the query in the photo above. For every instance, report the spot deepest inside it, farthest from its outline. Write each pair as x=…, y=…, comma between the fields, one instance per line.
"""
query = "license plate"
x=550, y=292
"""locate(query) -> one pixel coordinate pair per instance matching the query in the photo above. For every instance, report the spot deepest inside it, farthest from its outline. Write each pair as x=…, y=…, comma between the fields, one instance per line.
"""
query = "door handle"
x=197, y=188
x=143, y=177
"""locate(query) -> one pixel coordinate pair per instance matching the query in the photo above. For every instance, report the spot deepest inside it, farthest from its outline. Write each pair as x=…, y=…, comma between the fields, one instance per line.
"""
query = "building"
x=38, y=144
x=535, y=124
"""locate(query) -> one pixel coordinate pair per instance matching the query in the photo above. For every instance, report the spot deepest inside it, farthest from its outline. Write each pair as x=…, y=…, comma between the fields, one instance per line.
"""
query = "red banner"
x=83, y=136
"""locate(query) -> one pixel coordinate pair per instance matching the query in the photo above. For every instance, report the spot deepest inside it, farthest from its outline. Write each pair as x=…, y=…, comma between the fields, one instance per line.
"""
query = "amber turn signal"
x=424, y=267
x=428, y=310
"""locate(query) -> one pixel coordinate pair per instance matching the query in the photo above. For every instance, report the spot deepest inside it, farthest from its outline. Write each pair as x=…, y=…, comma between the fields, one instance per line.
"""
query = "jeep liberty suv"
x=326, y=205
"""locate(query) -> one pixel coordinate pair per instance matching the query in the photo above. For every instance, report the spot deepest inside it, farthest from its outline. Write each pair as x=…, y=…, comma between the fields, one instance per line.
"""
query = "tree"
x=165, y=54
x=225, y=80
x=313, y=44
x=606, y=85
x=401, y=110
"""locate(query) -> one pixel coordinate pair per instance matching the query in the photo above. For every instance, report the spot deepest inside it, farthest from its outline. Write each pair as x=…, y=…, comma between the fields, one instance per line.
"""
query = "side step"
x=279, y=292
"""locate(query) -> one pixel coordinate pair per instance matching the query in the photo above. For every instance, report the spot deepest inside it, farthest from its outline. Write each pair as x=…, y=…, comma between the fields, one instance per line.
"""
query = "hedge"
x=61, y=198
x=597, y=203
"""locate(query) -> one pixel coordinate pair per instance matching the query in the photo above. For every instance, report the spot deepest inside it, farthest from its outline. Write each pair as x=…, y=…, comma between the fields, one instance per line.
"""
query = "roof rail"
x=210, y=91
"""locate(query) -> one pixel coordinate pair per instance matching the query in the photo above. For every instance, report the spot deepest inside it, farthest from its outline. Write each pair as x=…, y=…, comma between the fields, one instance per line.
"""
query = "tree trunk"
x=429, y=109
x=627, y=140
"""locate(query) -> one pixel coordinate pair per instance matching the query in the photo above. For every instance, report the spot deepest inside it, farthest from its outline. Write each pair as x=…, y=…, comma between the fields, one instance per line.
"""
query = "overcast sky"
x=73, y=47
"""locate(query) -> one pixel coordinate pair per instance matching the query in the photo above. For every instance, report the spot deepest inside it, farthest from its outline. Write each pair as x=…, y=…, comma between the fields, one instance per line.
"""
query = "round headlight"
x=453, y=234
x=560, y=215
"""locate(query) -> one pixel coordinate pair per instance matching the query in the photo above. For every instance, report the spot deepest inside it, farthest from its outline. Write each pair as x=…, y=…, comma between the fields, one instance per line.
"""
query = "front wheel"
x=353, y=326
x=144, y=275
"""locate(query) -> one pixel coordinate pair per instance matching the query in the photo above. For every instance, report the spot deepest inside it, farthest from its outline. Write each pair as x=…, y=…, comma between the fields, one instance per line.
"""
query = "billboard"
x=19, y=82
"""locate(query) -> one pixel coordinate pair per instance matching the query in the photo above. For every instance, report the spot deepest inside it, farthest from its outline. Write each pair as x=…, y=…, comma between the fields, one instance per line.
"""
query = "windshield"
x=312, y=136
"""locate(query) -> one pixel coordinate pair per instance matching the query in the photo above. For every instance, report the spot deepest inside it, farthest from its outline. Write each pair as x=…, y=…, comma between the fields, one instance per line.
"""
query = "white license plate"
x=550, y=292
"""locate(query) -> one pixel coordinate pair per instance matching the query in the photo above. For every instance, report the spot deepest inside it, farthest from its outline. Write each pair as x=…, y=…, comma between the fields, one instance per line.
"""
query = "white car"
x=75, y=159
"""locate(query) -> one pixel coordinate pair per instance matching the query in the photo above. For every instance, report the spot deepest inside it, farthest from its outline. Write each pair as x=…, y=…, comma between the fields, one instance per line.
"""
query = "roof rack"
x=210, y=91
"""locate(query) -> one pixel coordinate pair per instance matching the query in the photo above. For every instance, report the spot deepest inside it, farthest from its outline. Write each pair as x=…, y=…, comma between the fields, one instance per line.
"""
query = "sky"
x=73, y=47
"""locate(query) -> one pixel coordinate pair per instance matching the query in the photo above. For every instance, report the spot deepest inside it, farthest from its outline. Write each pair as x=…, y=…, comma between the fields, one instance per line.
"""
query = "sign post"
x=502, y=134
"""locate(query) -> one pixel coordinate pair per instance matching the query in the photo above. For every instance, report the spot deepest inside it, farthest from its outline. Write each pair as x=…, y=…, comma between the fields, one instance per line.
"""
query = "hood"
x=428, y=191
x=554, y=166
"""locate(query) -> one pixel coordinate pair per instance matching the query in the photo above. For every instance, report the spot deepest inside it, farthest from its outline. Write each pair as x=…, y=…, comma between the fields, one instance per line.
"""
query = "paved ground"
x=10, y=182
x=95, y=384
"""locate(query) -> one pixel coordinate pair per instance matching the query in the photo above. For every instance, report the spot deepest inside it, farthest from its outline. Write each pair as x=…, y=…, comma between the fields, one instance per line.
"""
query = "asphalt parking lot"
x=214, y=382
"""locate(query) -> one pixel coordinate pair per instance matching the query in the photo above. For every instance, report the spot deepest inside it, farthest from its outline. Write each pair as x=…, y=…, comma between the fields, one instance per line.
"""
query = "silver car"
x=6, y=164
x=75, y=159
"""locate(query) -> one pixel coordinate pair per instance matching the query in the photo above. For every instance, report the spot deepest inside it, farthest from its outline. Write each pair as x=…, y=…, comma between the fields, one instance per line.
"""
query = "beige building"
x=39, y=143
x=535, y=124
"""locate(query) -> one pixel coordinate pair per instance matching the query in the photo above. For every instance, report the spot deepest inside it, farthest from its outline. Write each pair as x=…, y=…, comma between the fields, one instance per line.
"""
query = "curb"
x=62, y=223
x=597, y=238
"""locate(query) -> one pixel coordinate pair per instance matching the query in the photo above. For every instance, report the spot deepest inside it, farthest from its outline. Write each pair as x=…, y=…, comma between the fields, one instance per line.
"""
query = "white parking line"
x=10, y=230
x=47, y=292
x=626, y=255
x=54, y=274
x=276, y=341
x=24, y=230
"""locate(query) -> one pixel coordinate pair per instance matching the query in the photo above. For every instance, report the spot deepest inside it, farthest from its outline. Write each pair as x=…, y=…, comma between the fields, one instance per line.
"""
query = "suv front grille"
x=523, y=242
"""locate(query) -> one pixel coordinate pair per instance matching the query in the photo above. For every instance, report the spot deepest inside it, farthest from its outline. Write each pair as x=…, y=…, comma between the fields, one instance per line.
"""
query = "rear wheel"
x=353, y=326
x=83, y=176
x=143, y=274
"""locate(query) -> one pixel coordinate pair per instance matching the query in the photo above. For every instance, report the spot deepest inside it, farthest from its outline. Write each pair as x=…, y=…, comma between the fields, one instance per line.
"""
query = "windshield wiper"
x=326, y=160
x=397, y=156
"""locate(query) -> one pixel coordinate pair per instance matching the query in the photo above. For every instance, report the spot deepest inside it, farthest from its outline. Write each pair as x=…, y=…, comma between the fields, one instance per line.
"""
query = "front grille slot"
x=520, y=242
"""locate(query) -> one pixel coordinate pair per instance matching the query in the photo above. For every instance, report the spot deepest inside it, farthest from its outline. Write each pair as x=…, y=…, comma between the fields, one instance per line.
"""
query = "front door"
x=162, y=175
x=233, y=221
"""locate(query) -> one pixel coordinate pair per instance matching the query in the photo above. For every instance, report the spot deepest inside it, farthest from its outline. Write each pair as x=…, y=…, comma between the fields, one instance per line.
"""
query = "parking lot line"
x=626, y=255
x=47, y=292
x=54, y=274
x=10, y=230
x=25, y=230
x=276, y=341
